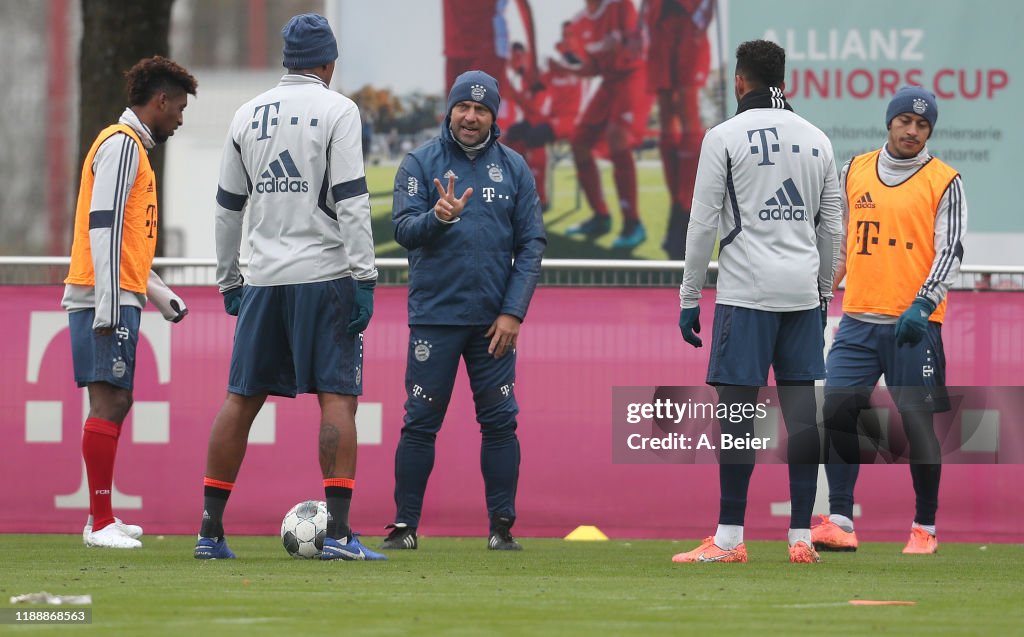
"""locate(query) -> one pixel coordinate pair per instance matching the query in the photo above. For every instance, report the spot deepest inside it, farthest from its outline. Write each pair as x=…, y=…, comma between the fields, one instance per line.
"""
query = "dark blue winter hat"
x=913, y=99
x=308, y=42
x=475, y=86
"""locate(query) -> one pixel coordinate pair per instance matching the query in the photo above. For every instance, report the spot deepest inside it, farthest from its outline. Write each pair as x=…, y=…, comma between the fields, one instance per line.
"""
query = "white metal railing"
x=15, y=270
x=623, y=265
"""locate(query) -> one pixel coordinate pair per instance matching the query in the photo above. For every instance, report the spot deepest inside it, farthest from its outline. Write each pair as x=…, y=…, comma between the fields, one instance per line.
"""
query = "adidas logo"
x=865, y=201
x=450, y=174
x=786, y=205
x=282, y=176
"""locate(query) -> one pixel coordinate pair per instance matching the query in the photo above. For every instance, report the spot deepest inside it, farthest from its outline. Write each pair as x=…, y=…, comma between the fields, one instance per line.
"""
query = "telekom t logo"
x=149, y=422
x=263, y=118
x=864, y=235
x=44, y=418
x=762, y=145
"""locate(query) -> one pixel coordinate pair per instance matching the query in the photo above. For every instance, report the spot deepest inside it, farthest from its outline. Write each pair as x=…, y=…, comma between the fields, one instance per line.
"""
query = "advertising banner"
x=571, y=71
x=844, y=65
x=575, y=347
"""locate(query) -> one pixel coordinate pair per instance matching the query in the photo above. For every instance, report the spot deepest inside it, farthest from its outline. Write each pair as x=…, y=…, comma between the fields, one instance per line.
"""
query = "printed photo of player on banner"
x=608, y=100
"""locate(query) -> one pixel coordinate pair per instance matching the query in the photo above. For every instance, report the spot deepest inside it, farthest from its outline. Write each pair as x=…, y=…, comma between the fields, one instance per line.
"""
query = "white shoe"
x=131, y=530
x=111, y=537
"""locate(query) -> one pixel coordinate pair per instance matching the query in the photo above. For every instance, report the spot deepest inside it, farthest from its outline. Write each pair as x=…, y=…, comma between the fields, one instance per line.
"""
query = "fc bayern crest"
x=421, y=350
x=920, y=106
x=494, y=172
x=477, y=92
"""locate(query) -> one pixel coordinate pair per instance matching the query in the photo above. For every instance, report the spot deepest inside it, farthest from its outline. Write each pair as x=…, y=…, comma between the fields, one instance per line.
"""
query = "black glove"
x=180, y=311
x=362, y=309
x=233, y=299
x=912, y=325
x=689, y=325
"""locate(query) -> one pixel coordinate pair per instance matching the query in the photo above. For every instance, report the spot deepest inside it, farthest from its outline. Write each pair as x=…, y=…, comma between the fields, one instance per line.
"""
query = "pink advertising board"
x=576, y=345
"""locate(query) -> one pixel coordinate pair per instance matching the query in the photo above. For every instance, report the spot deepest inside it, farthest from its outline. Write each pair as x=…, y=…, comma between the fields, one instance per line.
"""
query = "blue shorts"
x=105, y=359
x=746, y=342
x=863, y=352
x=292, y=339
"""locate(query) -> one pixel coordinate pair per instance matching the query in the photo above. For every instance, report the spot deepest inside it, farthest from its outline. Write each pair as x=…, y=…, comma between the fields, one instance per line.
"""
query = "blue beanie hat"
x=308, y=42
x=913, y=99
x=475, y=86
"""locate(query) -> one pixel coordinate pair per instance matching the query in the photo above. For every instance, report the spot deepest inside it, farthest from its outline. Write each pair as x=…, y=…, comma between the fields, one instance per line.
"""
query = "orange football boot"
x=708, y=551
x=921, y=542
x=828, y=536
x=801, y=553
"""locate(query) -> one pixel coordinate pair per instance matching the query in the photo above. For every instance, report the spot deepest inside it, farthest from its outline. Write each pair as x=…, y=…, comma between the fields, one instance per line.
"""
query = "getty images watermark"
x=692, y=425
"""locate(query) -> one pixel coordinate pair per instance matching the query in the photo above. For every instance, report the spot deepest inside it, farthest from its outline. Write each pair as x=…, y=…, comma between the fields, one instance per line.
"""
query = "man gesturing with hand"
x=475, y=249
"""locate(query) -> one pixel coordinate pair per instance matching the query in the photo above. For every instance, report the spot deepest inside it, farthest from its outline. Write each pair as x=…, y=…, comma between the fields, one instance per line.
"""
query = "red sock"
x=538, y=161
x=99, y=448
x=668, y=147
x=690, y=117
x=689, y=157
x=624, y=170
x=590, y=181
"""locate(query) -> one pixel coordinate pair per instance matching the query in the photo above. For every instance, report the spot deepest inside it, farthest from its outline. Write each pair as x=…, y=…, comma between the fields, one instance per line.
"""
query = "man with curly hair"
x=110, y=278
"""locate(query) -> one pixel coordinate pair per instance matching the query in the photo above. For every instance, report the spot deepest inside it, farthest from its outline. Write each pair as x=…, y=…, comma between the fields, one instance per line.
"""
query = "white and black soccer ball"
x=304, y=528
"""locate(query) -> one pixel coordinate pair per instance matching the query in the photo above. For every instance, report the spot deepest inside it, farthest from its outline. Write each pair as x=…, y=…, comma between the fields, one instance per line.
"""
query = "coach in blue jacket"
x=466, y=209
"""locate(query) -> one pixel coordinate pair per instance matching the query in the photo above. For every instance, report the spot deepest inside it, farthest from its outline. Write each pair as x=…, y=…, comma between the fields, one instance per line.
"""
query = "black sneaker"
x=592, y=228
x=402, y=536
x=501, y=535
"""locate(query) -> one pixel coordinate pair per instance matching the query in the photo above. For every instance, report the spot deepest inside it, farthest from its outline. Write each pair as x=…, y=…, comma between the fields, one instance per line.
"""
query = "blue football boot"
x=349, y=551
x=208, y=548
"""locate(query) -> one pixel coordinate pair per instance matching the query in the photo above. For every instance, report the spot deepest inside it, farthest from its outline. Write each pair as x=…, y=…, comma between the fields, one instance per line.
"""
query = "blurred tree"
x=407, y=115
x=424, y=112
x=380, y=105
x=116, y=35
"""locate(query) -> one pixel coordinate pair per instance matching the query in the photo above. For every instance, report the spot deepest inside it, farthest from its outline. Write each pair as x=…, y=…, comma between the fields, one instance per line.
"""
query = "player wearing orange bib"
x=905, y=215
x=110, y=279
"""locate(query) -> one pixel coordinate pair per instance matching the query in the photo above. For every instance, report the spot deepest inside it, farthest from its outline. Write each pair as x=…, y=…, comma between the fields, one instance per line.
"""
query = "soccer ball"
x=303, y=529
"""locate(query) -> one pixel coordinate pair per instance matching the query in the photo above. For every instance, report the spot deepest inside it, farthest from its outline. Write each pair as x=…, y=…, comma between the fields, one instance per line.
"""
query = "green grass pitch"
x=457, y=587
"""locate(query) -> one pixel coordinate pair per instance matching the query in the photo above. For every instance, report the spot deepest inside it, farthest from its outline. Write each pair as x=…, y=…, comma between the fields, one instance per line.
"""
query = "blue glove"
x=689, y=322
x=912, y=325
x=233, y=299
x=362, y=309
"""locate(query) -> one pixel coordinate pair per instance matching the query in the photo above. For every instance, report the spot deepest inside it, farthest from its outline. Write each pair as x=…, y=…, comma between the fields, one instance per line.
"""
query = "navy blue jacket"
x=463, y=273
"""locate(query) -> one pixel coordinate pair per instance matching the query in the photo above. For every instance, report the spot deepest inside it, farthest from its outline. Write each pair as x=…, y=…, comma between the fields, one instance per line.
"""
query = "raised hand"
x=448, y=207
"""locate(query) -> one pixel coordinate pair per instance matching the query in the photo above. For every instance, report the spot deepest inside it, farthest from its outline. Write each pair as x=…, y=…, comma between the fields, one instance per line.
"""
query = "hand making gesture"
x=448, y=208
